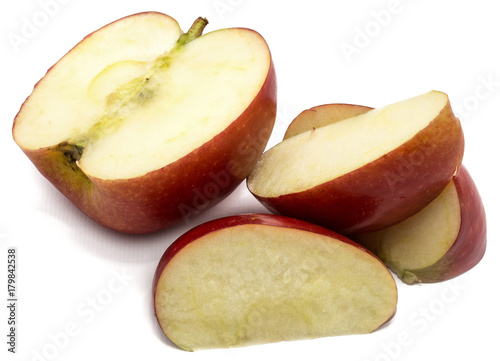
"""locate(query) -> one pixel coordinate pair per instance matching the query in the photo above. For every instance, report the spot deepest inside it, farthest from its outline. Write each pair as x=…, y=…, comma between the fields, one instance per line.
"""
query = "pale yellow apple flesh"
x=320, y=155
x=421, y=240
x=252, y=284
x=147, y=103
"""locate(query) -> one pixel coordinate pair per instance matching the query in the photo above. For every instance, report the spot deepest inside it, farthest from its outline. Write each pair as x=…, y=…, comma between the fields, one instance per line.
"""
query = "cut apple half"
x=444, y=240
x=253, y=279
x=140, y=124
x=366, y=172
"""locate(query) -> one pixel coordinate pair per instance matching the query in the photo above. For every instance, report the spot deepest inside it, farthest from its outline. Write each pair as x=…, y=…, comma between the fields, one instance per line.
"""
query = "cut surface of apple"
x=139, y=108
x=442, y=241
x=256, y=278
x=366, y=172
x=322, y=115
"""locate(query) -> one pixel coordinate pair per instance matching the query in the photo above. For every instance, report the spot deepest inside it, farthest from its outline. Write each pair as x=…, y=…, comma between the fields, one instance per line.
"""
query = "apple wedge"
x=322, y=115
x=367, y=172
x=141, y=125
x=444, y=240
x=257, y=278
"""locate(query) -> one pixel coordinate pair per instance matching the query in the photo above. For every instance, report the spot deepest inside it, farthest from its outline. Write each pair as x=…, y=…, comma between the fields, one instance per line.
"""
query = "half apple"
x=366, y=172
x=141, y=125
x=256, y=278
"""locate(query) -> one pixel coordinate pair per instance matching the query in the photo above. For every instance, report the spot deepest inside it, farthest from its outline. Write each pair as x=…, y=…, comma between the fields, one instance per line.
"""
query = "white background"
x=66, y=260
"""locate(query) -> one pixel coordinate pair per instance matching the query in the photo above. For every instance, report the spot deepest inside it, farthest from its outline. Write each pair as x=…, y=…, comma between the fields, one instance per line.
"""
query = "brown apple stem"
x=194, y=32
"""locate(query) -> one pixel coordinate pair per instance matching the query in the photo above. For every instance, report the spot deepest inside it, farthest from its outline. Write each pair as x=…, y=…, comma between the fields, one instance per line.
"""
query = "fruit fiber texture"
x=255, y=278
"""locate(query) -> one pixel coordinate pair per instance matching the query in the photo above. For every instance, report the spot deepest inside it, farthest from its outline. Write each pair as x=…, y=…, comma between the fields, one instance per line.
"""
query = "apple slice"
x=322, y=115
x=444, y=240
x=141, y=125
x=367, y=172
x=257, y=278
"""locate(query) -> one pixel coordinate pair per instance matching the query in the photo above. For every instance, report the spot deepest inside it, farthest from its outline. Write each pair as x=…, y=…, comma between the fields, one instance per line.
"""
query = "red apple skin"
x=386, y=191
x=178, y=191
x=322, y=115
x=470, y=245
x=243, y=219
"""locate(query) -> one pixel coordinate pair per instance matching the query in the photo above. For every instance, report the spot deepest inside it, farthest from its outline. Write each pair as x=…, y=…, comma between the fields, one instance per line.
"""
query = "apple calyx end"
x=409, y=277
x=72, y=152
